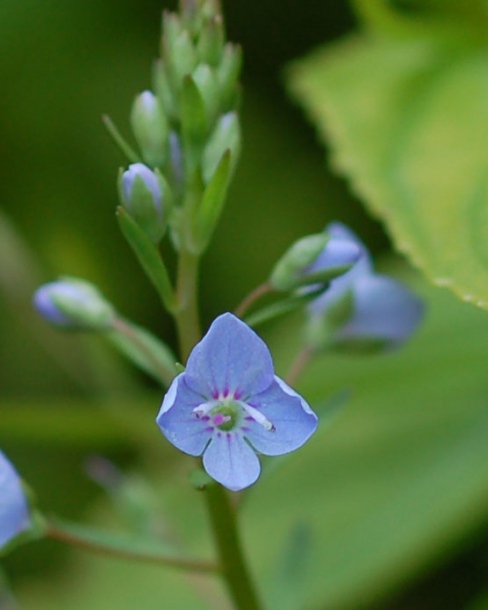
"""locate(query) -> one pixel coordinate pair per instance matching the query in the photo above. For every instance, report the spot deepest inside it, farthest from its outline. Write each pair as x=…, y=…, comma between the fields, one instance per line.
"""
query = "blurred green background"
x=395, y=515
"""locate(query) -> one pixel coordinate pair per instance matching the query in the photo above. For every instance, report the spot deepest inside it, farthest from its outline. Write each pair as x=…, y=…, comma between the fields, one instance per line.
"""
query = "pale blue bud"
x=73, y=304
x=142, y=193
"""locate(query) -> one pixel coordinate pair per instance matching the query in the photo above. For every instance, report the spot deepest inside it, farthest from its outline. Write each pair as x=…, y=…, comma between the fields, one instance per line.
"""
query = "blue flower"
x=229, y=404
x=14, y=512
x=362, y=307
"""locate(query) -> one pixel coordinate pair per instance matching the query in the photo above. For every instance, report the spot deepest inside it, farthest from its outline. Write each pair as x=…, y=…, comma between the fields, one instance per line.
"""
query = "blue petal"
x=149, y=178
x=177, y=421
x=384, y=309
x=338, y=287
x=337, y=253
x=231, y=358
x=14, y=512
x=43, y=301
x=293, y=420
x=231, y=461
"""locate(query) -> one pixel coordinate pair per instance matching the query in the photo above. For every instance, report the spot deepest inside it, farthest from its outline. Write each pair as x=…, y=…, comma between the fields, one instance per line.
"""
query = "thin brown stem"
x=57, y=532
x=299, y=365
x=252, y=297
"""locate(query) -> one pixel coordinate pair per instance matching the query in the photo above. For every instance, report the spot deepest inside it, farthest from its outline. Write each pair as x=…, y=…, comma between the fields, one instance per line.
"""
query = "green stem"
x=234, y=568
x=65, y=535
x=187, y=316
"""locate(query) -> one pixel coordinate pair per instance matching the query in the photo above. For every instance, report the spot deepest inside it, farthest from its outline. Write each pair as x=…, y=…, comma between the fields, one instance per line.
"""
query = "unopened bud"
x=361, y=310
x=226, y=136
x=206, y=81
x=228, y=73
x=211, y=42
x=315, y=259
x=74, y=304
x=150, y=128
x=146, y=197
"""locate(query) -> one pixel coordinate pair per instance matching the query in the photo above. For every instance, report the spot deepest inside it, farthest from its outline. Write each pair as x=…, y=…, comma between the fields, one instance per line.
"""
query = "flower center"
x=225, y=416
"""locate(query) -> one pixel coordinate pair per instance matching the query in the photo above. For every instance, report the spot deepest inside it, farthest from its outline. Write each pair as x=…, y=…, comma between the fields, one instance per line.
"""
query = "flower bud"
x=206, y=81
x=143, y=193
x=150, y=128
x=226, y=136
x=362, y=311
x=74, y=304
x=228, y=73
x=180, y=55
x=211, y=41
x=315, y=259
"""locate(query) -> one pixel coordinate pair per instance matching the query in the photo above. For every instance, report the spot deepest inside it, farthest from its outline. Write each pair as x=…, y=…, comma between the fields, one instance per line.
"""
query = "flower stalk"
x=235, y=571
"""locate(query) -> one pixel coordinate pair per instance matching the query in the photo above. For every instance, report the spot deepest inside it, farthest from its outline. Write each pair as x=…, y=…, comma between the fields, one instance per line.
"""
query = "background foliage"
x=396, y=488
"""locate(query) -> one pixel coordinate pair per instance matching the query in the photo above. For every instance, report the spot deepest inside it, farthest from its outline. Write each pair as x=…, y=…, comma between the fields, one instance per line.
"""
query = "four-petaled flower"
x=14, y=512
x=229, y=404
x=361, y=307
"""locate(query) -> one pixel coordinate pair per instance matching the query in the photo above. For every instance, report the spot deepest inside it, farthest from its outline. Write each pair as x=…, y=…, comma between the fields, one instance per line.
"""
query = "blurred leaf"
x=406, y=113
x=77, y=424
x=144, y=349
x=480, y=604
x=289, y=587
x=402, y=476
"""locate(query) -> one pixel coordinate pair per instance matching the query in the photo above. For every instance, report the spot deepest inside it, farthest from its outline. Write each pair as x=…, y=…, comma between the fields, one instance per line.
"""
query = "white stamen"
x=205, y=408
x=258, y=417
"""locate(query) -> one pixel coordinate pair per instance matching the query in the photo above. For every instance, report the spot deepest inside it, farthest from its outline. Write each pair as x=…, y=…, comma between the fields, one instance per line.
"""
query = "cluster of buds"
x=187, y=130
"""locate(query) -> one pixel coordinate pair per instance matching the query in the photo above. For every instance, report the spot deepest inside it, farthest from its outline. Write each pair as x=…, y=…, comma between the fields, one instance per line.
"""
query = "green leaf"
x=76, y=424
x=149, y=258
x=407, y=119
x=119, y=140
x=282, y=307
x=145, y=350
x=210, y=209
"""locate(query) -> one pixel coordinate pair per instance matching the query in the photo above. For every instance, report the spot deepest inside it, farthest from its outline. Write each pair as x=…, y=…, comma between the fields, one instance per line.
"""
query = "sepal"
x=283, y=306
